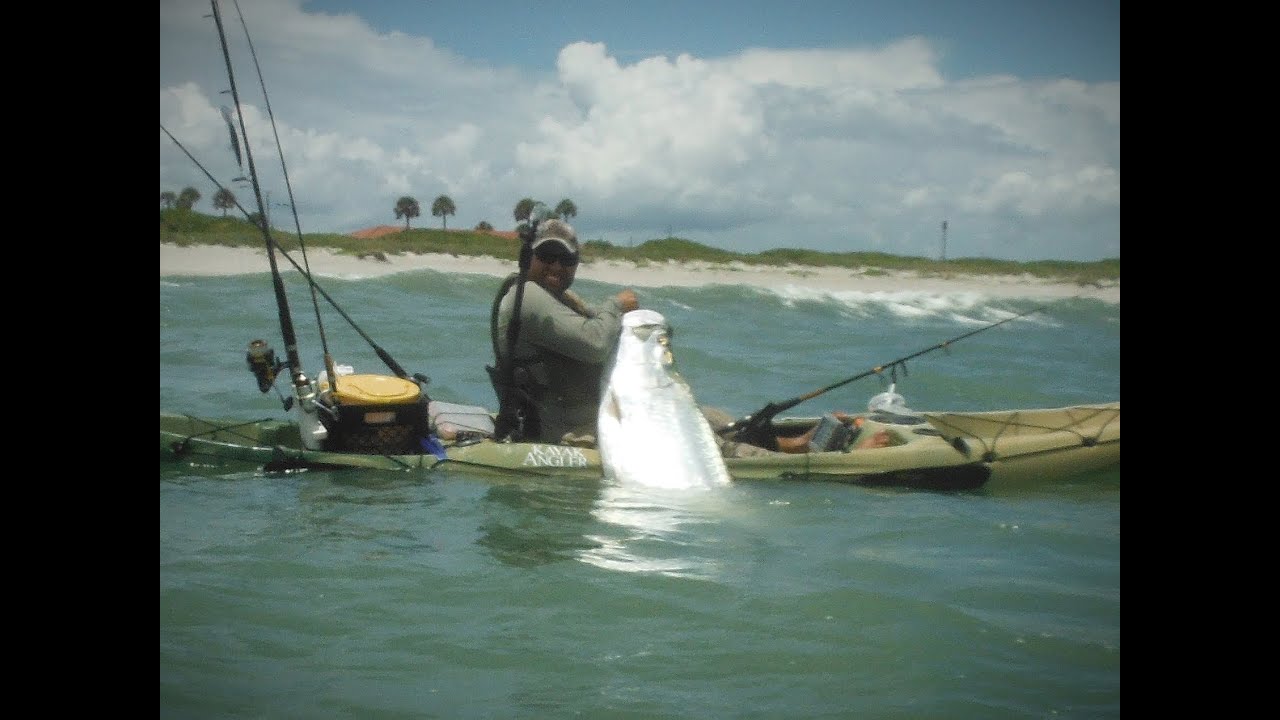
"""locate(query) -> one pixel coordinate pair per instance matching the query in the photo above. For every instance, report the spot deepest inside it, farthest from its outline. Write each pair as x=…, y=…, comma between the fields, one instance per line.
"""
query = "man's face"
x=553, y=275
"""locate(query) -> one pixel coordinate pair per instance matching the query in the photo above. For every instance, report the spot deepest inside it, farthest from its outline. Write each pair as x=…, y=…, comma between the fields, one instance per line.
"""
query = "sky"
x=747, y=125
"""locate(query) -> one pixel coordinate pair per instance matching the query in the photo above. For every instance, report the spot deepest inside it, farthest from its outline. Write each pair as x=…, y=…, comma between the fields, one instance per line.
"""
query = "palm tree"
x=224, y=200
x=523, y=209
x=188, y=198
x=407, y=207
x=168, y=198
x=442, y=208
x=566, y=209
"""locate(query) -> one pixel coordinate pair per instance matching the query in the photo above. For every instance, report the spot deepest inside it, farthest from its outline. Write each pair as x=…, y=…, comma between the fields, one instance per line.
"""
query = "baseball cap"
x=556, y=231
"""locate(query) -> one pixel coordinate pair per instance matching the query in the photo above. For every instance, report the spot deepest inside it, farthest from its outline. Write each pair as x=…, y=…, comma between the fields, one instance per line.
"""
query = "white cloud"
x=859, y=149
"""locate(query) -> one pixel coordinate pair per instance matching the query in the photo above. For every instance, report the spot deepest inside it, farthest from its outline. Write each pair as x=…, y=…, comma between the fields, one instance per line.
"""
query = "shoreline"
x=218, y=260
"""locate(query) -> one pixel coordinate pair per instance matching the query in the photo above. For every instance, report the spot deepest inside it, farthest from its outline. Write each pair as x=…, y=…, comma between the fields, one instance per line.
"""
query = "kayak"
x=340, y=419
x=925, y=450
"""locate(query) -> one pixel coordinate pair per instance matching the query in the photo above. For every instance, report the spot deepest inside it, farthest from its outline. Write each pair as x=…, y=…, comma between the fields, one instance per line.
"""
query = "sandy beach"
x=207, y=260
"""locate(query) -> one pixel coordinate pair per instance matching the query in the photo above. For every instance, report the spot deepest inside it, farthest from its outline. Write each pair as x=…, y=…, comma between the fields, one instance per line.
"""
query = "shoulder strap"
x=493, y=314
x=517, y=417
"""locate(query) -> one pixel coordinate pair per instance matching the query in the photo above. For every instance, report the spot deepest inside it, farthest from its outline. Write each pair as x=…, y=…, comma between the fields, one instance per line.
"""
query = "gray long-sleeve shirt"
x=572, y=348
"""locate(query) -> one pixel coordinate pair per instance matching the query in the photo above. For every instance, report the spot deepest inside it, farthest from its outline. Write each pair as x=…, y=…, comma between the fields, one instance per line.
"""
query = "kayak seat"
x=459, y=422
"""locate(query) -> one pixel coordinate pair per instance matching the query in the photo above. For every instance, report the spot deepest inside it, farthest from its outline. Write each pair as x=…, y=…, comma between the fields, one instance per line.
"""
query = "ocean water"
x=357, y=594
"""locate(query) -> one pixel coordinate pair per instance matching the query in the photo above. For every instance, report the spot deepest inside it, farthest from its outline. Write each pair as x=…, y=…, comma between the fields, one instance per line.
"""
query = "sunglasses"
x=554, y=252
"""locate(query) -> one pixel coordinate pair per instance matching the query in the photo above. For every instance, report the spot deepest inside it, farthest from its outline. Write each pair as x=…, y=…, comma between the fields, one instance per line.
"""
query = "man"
x=565, y=343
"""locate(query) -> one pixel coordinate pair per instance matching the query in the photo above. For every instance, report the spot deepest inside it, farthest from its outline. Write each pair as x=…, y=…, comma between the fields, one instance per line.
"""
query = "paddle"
x=757, y=428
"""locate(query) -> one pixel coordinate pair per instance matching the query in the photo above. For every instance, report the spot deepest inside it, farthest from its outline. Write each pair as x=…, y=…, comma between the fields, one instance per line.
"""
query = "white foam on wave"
x=965, y=307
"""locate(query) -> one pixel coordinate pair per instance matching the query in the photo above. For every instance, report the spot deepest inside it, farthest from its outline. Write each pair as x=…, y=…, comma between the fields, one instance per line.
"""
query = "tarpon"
x=650, y=430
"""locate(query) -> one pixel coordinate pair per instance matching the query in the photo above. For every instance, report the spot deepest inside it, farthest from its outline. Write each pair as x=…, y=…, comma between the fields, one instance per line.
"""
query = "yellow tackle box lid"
x=373, y=390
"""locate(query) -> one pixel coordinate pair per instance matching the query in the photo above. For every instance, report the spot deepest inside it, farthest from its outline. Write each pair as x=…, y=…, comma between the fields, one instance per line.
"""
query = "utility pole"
x=944, y=239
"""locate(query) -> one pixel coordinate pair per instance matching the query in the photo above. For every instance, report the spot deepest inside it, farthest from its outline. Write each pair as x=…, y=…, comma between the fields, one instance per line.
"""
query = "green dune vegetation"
x=189, y=227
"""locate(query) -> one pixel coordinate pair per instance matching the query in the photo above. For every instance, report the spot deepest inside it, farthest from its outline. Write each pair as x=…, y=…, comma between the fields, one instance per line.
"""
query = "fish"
x=650, y=430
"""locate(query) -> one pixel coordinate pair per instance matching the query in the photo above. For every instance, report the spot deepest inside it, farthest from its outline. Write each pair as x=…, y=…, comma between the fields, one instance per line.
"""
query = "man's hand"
x=627, y=299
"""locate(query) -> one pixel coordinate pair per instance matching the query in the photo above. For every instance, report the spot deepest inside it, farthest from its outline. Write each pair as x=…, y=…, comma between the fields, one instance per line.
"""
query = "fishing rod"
x=302, y=386
x=313, y=428
x=755, y=429
x=293, y=207
x=315, y=287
